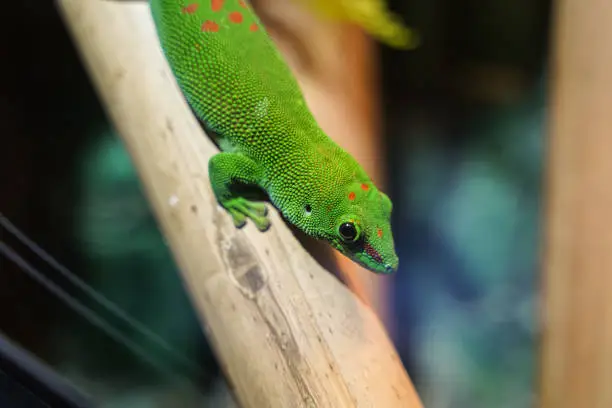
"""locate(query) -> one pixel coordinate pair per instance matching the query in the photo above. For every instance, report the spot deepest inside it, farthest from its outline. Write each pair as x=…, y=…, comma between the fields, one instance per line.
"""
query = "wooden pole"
x=286, y=332
x=576, y=356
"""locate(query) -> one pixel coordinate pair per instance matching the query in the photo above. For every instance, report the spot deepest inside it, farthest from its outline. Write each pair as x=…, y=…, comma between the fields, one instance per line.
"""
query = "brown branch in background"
x=576, y=354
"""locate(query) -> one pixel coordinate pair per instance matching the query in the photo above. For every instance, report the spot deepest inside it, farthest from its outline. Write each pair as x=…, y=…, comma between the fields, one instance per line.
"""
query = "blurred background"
x=458, y=129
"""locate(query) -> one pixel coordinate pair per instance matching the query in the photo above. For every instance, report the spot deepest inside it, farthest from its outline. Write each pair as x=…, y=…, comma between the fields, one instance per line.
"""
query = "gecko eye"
x=348, y=232
x=308, y=209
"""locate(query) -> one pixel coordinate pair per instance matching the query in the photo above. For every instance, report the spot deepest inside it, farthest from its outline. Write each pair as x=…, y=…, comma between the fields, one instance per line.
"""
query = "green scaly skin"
x=240, y=87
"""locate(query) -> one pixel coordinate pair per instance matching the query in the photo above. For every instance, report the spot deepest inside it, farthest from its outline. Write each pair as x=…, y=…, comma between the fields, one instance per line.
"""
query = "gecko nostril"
x=389, y=269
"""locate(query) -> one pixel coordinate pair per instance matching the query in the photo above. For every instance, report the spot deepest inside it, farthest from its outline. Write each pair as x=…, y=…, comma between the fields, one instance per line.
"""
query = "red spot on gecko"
x=216, y=5
x=379, y=232
x=365, y=187
x=351, y=196
x=190, y=9
x=372, y=252
x=242, y=4
x=254, y=27
x=235, y=17
x=210, y=26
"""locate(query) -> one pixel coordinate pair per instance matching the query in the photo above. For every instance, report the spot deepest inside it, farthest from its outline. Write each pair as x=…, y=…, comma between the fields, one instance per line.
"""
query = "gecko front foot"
x=232, y=169
x=240, y=209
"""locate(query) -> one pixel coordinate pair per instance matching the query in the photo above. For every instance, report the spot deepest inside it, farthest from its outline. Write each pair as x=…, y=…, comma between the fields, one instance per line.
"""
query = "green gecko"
x=242, y=90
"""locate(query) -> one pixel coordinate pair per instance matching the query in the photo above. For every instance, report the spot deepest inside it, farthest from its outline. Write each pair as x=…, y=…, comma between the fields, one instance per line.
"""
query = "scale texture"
x=240, y=88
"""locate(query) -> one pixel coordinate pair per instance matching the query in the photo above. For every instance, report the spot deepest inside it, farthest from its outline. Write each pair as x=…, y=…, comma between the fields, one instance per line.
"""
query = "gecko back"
x=230, y=72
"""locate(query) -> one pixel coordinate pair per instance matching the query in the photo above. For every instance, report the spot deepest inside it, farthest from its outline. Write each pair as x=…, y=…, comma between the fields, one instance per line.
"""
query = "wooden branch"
x=577, y=344
x=286, y=332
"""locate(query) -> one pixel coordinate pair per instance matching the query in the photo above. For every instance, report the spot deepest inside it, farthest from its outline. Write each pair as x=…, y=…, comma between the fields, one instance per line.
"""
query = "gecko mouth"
x=368, y=257
x=372, y=253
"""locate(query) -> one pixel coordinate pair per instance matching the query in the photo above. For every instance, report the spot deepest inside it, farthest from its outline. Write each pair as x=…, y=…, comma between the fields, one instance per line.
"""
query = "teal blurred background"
x=464, y=121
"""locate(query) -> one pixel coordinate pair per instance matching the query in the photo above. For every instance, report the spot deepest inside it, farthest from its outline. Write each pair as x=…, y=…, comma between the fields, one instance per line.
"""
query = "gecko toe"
x=262, y=223
x=240, y=209
x=238, y=217
x=258, y=208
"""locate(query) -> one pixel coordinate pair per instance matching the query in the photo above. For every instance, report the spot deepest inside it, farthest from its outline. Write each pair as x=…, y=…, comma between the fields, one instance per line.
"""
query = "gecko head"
x=359, y=226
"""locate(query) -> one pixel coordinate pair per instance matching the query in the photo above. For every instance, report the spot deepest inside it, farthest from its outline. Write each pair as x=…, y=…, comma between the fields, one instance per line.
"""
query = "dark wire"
x=86, y=313
x=91, y=292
